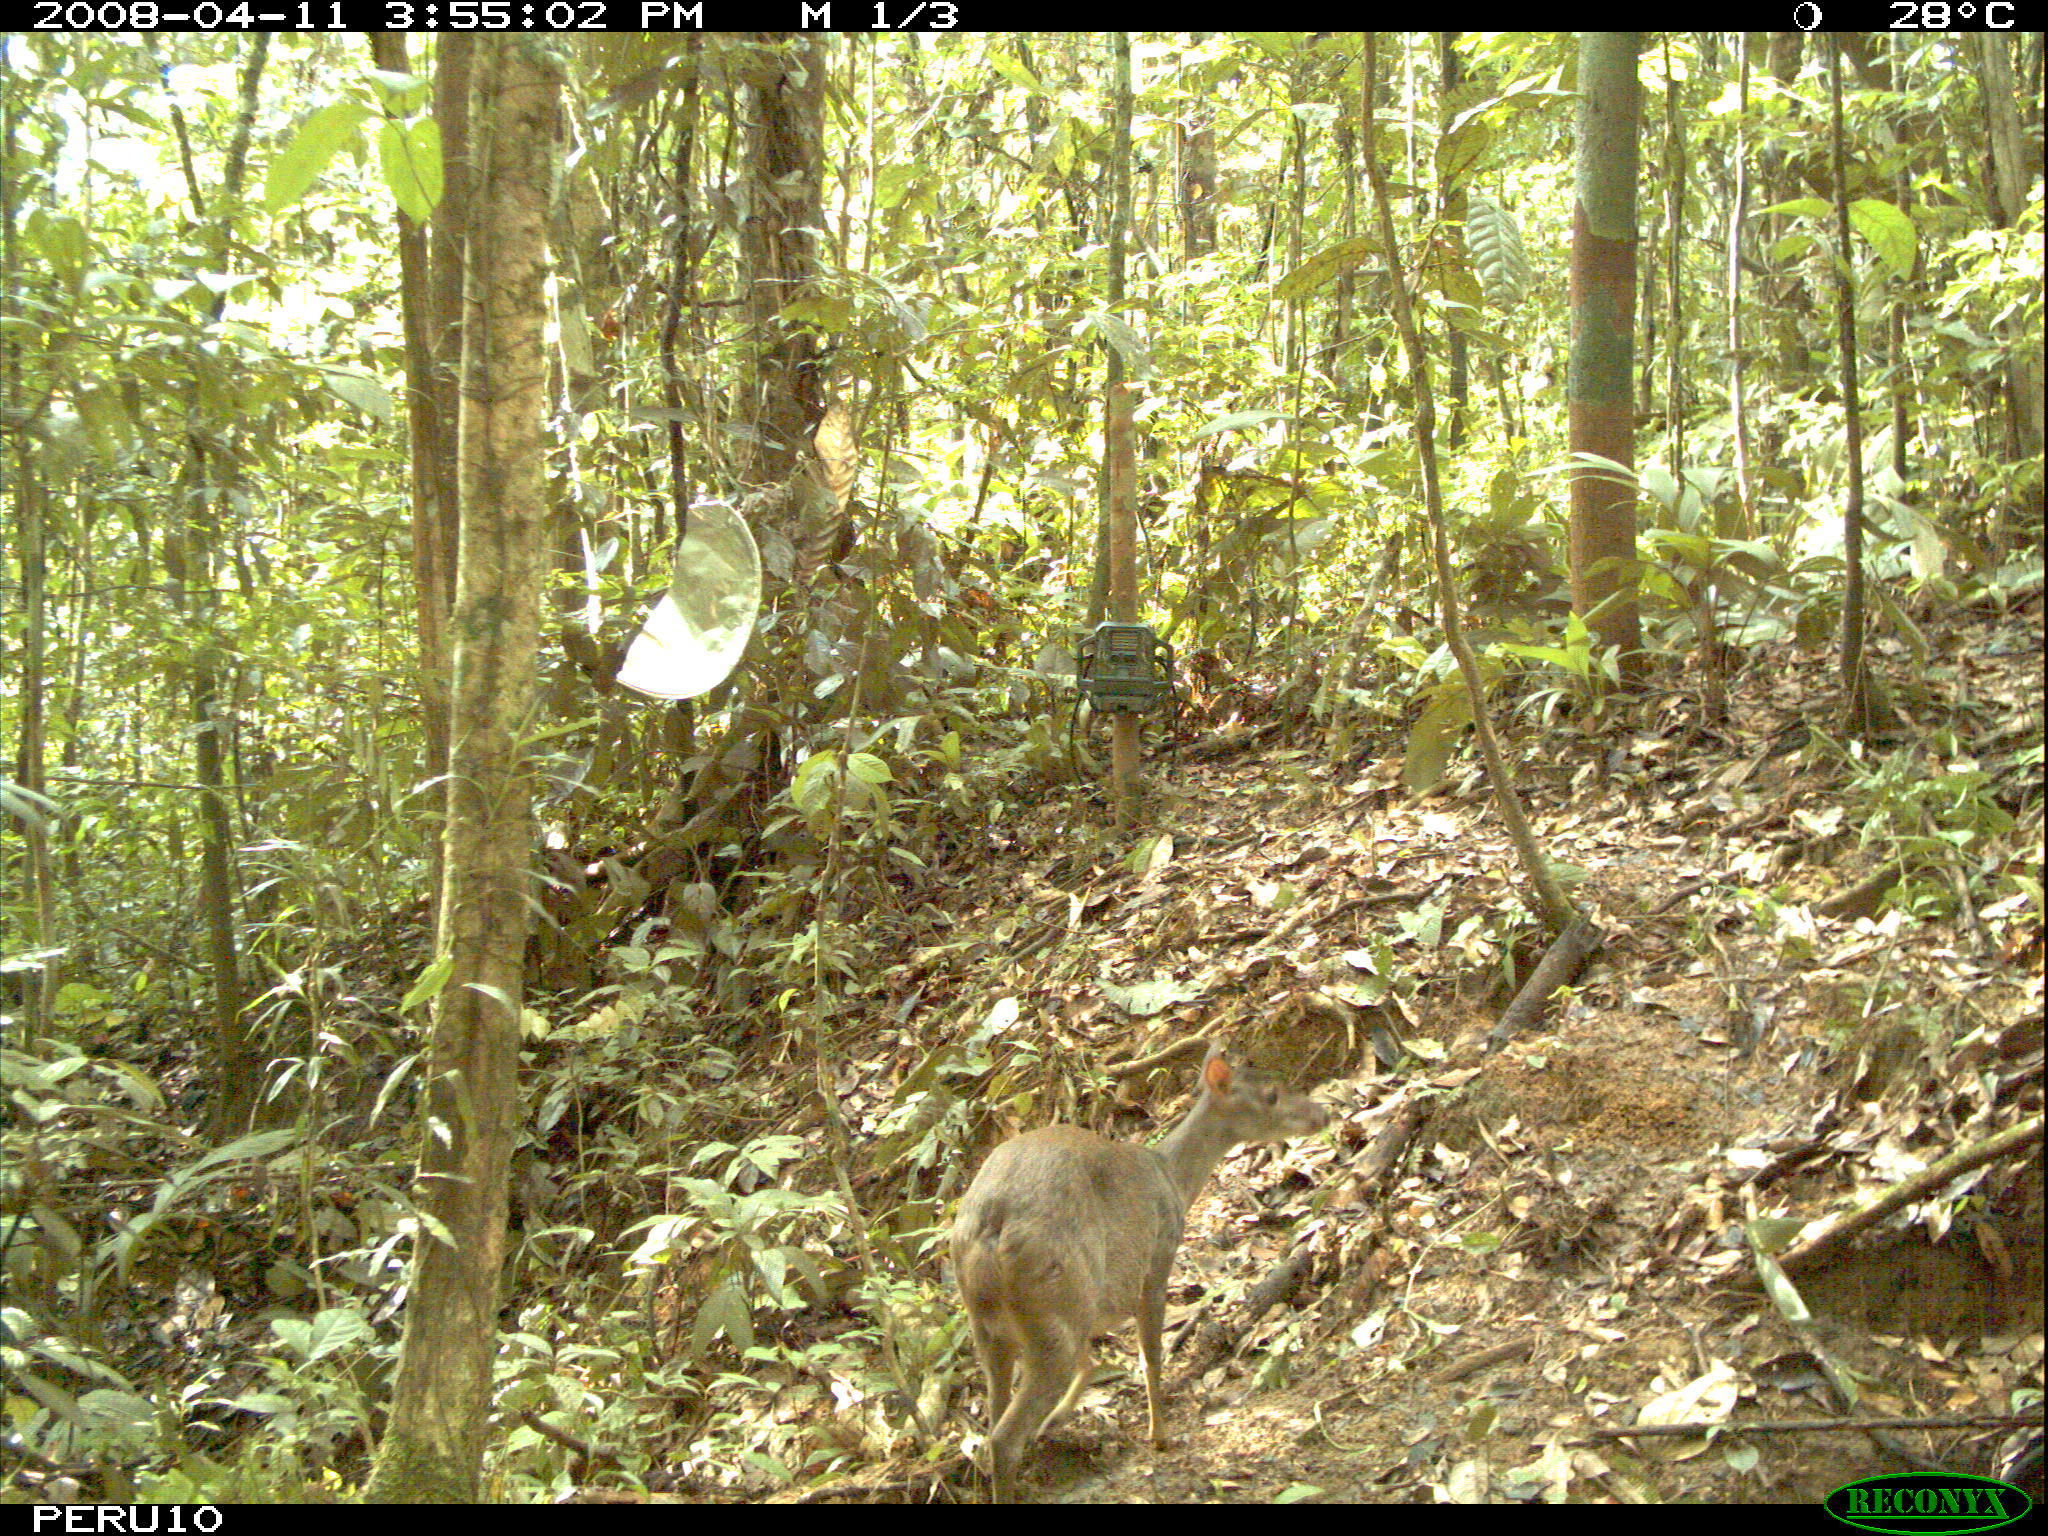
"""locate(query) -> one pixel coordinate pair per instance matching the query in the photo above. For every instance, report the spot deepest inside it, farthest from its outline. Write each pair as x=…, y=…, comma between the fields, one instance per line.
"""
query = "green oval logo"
x=1922, y=1502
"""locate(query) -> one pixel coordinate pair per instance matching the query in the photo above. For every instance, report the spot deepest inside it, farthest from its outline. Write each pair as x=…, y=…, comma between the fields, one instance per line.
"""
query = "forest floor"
x=1821, y=974
x=1502, y=1258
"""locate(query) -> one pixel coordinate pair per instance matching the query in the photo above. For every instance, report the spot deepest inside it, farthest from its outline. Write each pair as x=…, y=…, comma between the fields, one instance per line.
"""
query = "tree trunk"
x=784, y=146
x=433, y=1449
x=2012, y=172
x=430, y=396
x=1603, y=527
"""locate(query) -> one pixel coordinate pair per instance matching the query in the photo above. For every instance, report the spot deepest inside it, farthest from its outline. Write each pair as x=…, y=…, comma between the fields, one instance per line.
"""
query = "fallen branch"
x=1810, y=1250
x=1214, y=1340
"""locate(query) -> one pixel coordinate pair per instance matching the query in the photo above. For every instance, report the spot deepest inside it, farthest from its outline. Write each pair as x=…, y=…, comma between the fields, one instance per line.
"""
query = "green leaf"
x=1432, y=739
x=328, y=1330
x=898, y=184
x=63, y=244
x=1694, y=549
x=1889, y=231
x=868, y=768
x=1325, y=264
x=1237, y=421
x=1062, y=149
x=812, y=780
x=1014, y=72
x=429, y=986
x=1424, y=926
x=292, y=173
x=1805, y=207
x=1458, y=151
x=53, y=1397
x=1551, y=656
x=264, y=1403
x=1900, y=621
x=1136, y=355
x=724, y=1311
x=1930, y=549
x=360, y=391
x=400, y=92
x=410, y=157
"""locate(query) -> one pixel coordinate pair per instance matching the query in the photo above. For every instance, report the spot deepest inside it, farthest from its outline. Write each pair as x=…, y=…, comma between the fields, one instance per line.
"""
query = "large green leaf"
x=1889, y=231
x=360, y=391
x=292, y=173
x=1325, y=264
x=62, y=241
x=1433, y=738
x=410, y=156
x=1236, y=421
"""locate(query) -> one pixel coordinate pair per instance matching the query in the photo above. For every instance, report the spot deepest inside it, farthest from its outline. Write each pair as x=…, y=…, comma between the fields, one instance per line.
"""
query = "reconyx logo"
x=1923, y=1502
